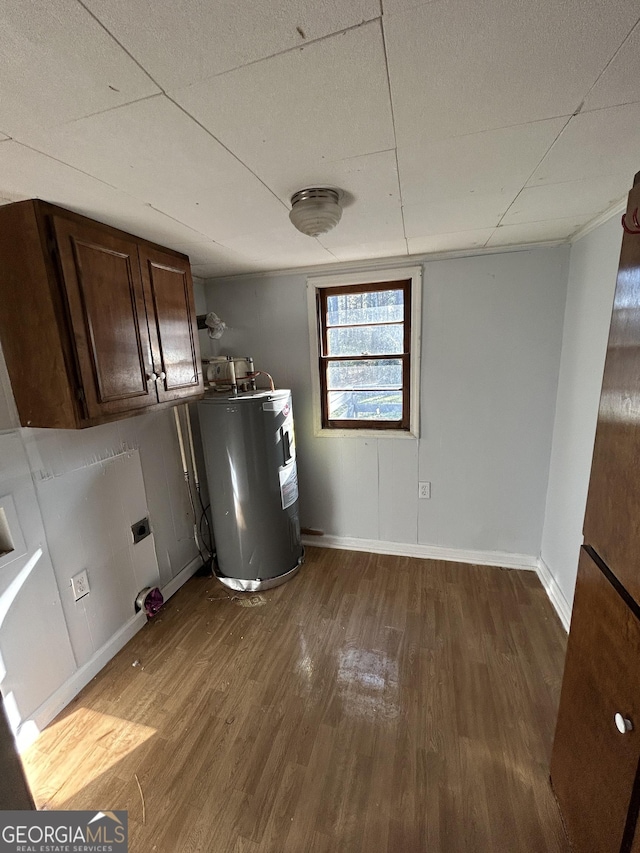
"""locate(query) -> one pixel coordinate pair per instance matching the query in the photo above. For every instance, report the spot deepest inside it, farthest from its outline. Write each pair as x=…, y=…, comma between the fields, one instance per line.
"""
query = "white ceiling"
x=452, y=124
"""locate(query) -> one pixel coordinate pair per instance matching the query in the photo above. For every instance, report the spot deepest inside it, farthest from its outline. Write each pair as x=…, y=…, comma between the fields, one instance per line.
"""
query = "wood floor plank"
x=374, y=704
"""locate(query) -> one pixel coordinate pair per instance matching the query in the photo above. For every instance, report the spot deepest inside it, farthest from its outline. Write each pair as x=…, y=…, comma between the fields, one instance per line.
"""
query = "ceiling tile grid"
x=535, y=232
x=182, y=43
x=290, y=116
x=456, y=241
x=57, y=64
x=455, y=214
x=450, y=125
x=462, y=67
x=581, y=199
x=619, y=82
x=602, y=142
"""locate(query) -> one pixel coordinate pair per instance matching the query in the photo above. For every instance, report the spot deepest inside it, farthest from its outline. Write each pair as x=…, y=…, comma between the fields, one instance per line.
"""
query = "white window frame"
x=315, y=283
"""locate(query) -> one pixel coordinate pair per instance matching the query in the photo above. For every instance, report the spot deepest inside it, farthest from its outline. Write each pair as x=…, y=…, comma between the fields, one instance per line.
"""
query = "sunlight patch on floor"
x=88, y=741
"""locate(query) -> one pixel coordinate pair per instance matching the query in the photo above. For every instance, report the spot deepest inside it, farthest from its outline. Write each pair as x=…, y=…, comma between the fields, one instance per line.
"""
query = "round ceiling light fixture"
x=315, y=210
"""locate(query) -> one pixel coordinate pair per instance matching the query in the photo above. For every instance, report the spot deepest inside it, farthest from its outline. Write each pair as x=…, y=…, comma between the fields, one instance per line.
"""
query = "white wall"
x=492, y=328
x=35, y=650
x=592, y=277
x=77, y=492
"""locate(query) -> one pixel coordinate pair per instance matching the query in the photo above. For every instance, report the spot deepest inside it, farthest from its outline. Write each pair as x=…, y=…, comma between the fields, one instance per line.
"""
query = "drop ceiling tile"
x=155, y=152
x=458, y=241
x=393, y=7
x=476, y=163
x=279, y=247
x=372, y=211
x=602, y=142
x=362, y=251
x=619, y=84
x=225, y=268
x=359, y=227
x=199, y=253
x=57, y=63
x=180, y=43
x=536, y=232
x=461, y=67
x=458, y=213
x=289, y=114
x=211, y=258
x=29, y=174
x=576, y=199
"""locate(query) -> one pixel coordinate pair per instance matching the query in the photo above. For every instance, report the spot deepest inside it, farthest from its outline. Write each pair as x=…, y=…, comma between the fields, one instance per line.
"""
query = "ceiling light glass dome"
x=316, y=210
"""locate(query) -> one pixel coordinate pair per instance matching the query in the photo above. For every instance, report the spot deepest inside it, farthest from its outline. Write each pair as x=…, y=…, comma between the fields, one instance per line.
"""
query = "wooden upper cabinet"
x=169, y=289
x=613, y=503
x=101, y=276
x=95, y=324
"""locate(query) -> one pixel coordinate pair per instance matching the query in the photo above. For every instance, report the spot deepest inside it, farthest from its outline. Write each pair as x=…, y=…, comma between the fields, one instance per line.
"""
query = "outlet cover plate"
x=140, y=530
x=424, y=490
x=80, y=585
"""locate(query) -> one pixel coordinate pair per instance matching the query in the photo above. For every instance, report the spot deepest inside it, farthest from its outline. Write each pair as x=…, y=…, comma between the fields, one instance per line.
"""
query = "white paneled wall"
x=592, y=279
x=77, y=493
x=104, y=500
x=492, y=329
x=89, y=487
x=36, y=655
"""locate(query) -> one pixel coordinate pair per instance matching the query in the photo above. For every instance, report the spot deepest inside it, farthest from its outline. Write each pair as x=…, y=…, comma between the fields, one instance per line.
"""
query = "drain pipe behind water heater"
x=187, y=478
x=194, y=465
x=211, y=548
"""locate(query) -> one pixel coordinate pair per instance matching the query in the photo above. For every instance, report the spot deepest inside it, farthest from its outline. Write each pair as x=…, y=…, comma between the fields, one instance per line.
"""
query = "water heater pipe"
x=194, y=466
x=187, y=479
x=263, y=373
x=185, y=470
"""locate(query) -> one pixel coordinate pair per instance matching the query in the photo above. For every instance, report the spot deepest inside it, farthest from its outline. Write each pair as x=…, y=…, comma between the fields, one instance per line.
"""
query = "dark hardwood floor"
x=373, y=704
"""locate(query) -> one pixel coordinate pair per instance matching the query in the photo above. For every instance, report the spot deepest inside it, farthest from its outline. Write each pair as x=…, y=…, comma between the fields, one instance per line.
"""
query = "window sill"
x=364, y=433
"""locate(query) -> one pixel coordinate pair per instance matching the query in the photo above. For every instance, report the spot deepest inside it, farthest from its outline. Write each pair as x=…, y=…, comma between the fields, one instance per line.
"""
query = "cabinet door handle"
x=623, y=724
x=162, y=375
x=152, y=377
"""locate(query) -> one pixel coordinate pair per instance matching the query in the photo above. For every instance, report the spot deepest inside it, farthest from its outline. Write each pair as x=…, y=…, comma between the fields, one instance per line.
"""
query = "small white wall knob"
x=623, y=724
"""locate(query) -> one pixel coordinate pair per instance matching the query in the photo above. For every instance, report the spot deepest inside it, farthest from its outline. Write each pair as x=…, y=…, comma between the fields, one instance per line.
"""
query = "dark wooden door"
x=593, y=766
x=172, y=324
x=612, y=519
x=101, y=274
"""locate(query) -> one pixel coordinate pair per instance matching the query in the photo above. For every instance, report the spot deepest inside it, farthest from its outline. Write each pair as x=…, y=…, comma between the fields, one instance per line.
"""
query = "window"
x=367, y=352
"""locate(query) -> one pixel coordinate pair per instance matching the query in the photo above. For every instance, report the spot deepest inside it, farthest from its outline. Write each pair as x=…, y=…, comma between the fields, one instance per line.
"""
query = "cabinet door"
x=172, y=324
x=106, y=305
x=612, y=519
x=593, y=766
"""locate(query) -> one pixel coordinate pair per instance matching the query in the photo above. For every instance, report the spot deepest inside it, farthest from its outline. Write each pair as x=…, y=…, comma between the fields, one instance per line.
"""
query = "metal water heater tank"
x=250, y=457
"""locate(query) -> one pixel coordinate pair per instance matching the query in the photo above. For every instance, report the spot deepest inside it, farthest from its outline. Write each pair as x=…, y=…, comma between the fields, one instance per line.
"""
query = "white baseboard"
x=556, y=595
x=456, y=555
x=182, y=577
x=427, y=552
x=51, y=707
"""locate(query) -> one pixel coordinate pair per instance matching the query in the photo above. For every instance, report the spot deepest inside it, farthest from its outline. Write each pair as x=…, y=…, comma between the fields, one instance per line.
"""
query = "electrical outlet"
x=80, y=584
x=424, y=490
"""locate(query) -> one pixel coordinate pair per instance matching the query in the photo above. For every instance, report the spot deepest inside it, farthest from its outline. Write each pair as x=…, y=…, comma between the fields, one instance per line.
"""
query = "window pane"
x=366, y=340
x=382, y=373
x=382, y=306
x=365, y=405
